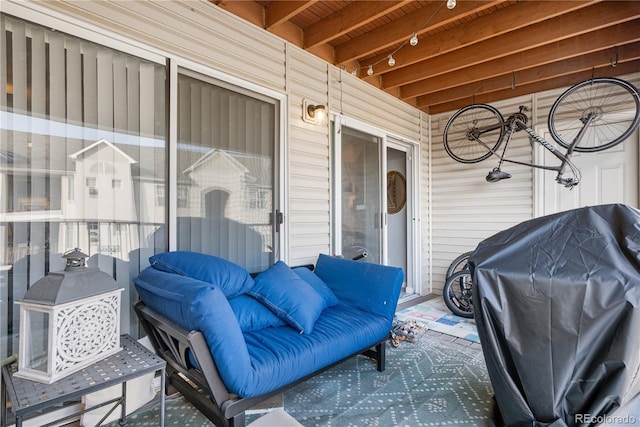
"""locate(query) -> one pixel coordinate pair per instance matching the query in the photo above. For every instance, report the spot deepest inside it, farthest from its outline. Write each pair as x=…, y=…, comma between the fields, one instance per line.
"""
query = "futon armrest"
x=180, y=347
x=369, y=287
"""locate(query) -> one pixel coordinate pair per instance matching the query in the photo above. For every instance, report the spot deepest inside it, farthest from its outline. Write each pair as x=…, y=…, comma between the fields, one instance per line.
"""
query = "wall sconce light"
x=314, y=113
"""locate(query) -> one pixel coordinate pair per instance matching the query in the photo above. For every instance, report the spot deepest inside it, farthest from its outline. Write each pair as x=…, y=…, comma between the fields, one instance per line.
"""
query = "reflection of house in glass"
x=224, y=206
x=87, y=195
x=100, y=192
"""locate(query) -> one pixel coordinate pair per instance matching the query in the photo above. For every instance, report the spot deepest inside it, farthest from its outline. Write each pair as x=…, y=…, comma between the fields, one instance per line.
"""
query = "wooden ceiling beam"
x=541, y=86
x=353, y=16
x=518, y=15
x=598, y=60
x=618, y=35
x=248, y=10
x=562, y=27
x=401, y=30
x=280, y=11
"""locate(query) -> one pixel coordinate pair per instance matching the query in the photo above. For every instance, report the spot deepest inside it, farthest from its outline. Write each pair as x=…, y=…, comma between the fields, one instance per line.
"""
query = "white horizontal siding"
x=458, y=207
x=201, y=32
x=196, y=30
x=466, y=208
x=357, y=99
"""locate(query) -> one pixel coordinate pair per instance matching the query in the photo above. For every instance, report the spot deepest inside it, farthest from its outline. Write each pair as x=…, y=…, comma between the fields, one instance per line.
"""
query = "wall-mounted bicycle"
x=591, y=116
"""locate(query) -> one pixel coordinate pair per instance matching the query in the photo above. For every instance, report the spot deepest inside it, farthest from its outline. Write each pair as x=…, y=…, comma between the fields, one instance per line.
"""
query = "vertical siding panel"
x=425, y=204
x=308, y=160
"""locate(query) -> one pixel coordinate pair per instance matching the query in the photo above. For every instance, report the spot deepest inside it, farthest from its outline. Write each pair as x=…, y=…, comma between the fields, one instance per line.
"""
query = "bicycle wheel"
x=615, y=104
x=473, y=133
x=458, y=264
x=457, y=294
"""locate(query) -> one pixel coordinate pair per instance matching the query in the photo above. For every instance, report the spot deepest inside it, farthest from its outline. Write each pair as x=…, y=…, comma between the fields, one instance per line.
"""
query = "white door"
x=609, y=176
x=401, y=226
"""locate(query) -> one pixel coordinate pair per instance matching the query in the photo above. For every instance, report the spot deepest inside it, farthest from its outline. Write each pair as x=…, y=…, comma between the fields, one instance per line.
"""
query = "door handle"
x=279, y=219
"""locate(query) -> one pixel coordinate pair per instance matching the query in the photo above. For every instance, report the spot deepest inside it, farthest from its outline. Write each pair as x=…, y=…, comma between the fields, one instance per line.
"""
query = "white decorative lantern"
x=68, y=320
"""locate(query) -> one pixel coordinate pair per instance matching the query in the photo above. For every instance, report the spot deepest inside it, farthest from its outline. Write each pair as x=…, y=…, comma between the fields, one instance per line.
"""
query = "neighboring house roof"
x=212, y=154
x=256, y=168
x=77, y=154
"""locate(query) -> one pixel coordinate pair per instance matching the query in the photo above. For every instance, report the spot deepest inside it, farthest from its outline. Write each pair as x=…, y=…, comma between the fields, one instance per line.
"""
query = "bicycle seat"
x=496, y=175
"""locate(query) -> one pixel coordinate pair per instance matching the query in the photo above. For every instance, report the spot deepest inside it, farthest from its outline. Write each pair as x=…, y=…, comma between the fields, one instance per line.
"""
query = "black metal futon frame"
x=203, y=387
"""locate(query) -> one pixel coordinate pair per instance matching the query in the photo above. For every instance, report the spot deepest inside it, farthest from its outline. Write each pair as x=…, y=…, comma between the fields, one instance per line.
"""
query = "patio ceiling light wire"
x=413, y=41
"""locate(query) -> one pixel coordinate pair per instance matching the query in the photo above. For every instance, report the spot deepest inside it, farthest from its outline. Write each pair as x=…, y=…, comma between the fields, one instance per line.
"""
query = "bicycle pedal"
x=496, y=175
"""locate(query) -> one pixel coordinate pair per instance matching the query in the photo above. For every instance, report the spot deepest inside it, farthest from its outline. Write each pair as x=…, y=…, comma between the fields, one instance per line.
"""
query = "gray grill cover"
x=557, y=306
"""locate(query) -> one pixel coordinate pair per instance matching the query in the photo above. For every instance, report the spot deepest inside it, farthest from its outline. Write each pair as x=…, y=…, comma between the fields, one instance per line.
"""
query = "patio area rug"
x=435, y=314
x=435, y=381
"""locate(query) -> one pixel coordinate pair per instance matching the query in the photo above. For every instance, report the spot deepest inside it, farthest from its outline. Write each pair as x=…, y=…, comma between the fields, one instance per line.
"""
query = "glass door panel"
x=226, y=172
x=361, y=195
x=82, y=148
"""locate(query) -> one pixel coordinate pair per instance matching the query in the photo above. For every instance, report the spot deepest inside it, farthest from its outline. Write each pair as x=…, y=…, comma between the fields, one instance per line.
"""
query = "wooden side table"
x=134, y=360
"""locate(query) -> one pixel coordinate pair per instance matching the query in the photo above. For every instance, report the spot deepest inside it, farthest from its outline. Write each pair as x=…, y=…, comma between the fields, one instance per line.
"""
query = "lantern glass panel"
x=38, y=345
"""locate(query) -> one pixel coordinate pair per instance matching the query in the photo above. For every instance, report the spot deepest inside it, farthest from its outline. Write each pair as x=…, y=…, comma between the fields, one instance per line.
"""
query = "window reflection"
x=226, y=151
x=82, y=146
x=360, y=174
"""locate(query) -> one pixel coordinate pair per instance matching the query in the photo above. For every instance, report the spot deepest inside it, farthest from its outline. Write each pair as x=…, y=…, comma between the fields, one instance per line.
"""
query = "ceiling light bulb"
x=414, y=39
x=392, y=61
x=451, y=4
x=355, y=71
x=370, y=70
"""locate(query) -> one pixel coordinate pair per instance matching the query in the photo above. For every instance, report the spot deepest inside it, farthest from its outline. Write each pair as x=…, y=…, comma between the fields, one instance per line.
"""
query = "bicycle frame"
x=516, y=123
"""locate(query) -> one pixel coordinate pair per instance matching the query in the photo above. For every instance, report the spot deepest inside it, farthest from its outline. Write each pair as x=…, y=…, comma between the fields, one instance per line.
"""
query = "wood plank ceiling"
x=478, y=51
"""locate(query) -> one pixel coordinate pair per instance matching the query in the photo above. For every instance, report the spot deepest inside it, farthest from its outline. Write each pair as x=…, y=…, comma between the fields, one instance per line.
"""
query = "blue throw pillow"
x=318, y=284
x=231, y=278
x=252, y=315
x=288, y=296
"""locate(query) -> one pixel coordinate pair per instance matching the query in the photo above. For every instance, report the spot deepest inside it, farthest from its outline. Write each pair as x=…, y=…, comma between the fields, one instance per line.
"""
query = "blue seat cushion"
x=252, y=315
x=288, y=296
x=231, y=278
x=280, y=355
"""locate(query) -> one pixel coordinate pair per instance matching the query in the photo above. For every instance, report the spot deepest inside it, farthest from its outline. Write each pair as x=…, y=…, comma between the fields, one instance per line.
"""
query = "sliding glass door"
x=87, y=136
x=82, y=156
x=374, y=205
x=361, y=195
x=226, y=172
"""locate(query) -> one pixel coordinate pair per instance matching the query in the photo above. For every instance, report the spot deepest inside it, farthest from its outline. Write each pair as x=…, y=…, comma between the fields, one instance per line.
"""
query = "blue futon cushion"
x=197, y=305
x=231, y=278
x=288, y=296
